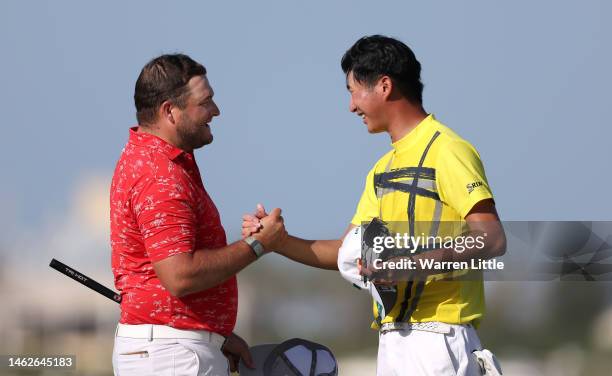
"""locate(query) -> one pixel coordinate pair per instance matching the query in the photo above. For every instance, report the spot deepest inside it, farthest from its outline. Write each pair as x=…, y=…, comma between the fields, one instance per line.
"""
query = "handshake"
x=268, y=229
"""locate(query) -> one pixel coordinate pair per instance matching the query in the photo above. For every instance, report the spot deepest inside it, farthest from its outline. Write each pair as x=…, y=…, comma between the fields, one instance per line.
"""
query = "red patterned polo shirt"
x=159, y=208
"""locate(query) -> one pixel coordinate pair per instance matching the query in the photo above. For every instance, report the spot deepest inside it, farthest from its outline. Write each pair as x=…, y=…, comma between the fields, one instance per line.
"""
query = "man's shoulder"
x=449, y=140
x=446, y=133
x=140, y=164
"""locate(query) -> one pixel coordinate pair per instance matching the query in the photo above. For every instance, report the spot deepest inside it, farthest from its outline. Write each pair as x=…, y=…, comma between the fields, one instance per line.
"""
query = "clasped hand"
x=268, y=229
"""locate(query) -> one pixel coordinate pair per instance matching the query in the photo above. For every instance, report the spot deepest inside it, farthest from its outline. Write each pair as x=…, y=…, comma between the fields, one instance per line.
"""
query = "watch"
x=256, y=246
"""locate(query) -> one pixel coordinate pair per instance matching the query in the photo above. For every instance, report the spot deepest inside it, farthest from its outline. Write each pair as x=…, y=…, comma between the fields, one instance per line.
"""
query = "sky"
x=526, y=82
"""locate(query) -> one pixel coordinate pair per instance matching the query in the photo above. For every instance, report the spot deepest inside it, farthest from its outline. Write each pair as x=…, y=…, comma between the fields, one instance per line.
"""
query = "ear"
x=165, y=112
x=386, y=86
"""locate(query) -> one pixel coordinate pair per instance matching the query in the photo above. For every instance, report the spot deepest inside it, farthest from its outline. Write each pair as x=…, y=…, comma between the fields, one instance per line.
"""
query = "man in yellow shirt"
x=431, y=183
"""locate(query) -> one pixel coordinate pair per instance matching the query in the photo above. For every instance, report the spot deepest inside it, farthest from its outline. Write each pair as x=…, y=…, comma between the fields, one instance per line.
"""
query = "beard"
x=193, y=135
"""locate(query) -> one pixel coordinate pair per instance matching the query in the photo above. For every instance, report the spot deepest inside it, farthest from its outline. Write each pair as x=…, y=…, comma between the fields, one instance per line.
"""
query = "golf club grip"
x=85, y=280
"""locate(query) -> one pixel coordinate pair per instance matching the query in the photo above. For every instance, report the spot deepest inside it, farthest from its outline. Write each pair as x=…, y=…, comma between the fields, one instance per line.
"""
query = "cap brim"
x=348, y=254
x=259, y=353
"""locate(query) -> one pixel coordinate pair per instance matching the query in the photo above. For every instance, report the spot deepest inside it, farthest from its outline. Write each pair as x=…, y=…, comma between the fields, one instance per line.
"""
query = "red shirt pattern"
x=159, y=208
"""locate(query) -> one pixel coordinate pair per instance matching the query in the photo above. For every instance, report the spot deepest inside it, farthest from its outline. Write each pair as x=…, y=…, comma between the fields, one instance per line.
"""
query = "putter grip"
x=85, y=280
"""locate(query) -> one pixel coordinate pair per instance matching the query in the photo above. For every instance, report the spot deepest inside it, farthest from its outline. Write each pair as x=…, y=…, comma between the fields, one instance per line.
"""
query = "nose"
x=216, y=111
x=352, y=106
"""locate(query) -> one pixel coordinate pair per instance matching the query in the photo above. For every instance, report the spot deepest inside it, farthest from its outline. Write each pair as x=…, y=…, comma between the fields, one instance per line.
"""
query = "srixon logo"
x=470, y=187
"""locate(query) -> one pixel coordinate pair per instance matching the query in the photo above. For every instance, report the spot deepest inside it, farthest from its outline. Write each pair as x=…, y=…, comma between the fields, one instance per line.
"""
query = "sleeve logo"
x=471, y=186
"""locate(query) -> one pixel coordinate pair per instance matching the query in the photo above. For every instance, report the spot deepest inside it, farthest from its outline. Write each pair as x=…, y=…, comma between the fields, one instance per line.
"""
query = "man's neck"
x=156, y=130
x=404, y=121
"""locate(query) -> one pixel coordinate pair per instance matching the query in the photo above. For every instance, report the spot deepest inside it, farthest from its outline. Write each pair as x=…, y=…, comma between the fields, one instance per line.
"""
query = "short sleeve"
x=461, y=177
x=368, y=203
x=165, y=217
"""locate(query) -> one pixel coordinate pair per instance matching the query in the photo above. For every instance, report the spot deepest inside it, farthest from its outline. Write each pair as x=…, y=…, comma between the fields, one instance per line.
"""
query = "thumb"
x=260, y=212
x=276, y=212
x=248, y=358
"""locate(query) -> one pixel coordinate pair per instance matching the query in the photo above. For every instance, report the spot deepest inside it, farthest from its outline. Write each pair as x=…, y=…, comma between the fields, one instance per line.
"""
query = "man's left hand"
x=236, y=348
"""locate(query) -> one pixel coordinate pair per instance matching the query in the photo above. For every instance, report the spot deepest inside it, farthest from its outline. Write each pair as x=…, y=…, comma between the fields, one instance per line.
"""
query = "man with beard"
x=170, y=257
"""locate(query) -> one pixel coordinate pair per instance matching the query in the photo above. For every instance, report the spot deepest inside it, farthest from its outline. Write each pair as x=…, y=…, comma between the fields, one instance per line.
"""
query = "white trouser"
x=167, y=356
x=427, y=353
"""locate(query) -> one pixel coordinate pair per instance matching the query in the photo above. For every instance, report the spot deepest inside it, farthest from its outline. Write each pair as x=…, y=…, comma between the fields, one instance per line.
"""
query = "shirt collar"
x=154, y=142
x=413, y=136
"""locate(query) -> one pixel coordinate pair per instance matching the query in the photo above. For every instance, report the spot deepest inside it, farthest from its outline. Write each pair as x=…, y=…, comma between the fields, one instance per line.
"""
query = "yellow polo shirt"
x=430, y=178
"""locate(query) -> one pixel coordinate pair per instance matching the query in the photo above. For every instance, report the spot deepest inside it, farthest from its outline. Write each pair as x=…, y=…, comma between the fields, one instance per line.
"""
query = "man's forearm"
x=484, y=223
x=188, y=273
x=206, y=268
x=318, y=253
x=451, y=256
x=495, y=247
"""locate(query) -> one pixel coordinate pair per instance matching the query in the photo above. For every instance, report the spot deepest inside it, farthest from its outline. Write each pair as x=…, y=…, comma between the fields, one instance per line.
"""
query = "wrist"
x=256, y=246
x=282, y=243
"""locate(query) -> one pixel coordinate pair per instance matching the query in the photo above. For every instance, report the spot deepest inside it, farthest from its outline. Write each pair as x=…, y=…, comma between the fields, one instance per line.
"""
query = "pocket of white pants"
x=133, y=364
x=159, y=358
x=211, y=360
x=174, y=360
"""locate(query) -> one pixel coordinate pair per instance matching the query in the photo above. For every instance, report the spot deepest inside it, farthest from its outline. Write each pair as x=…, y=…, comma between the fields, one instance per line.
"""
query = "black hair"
x=374, y=56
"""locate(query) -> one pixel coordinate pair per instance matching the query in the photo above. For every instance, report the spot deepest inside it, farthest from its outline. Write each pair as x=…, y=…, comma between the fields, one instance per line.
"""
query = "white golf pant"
x=426, y=353
x=168, y=356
